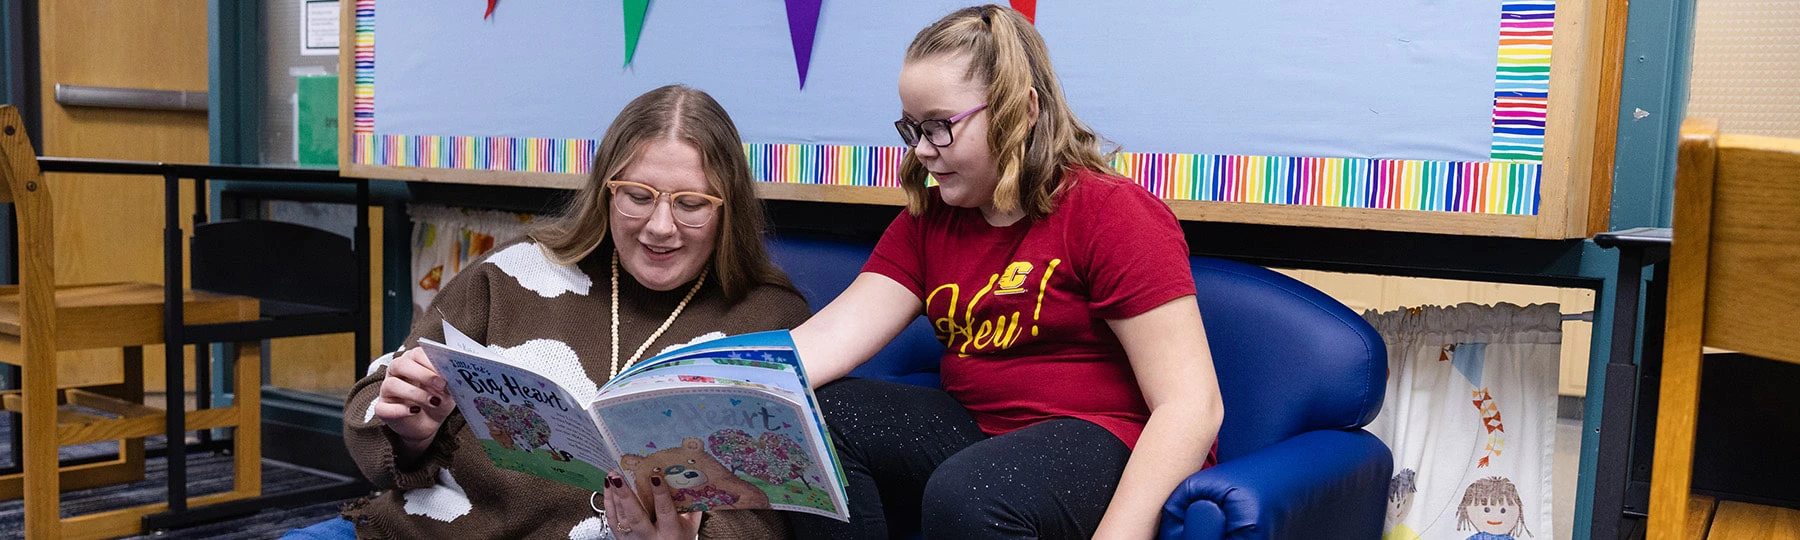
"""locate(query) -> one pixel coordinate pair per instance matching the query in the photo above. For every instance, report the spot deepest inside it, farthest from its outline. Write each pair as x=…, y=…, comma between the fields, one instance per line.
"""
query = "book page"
x=770, y=374
x=723, y=447
x=772, y=346
x=456, y=339
x=760, y=349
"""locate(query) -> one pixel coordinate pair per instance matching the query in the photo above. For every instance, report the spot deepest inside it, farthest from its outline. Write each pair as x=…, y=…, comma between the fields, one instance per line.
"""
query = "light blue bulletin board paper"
x=1407, y=79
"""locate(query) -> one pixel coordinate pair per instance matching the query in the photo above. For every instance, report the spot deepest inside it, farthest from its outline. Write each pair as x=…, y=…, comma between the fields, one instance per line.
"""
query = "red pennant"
x=1028, y=8
x=490, y=11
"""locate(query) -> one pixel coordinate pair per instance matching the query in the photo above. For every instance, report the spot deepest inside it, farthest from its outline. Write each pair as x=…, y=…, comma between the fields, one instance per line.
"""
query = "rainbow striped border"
x=826, y=164
x=1522, y=79
x=1479, y=187
x=1507, y=185
x=478, y=153
x=362, y=107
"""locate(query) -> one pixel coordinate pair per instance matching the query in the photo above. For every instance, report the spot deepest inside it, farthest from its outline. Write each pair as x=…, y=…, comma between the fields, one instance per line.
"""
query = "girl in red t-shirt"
x=1078, y=387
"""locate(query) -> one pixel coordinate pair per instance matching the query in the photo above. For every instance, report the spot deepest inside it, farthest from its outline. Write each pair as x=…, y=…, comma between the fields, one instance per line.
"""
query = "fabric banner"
x=446, y=239
x=1471, y=418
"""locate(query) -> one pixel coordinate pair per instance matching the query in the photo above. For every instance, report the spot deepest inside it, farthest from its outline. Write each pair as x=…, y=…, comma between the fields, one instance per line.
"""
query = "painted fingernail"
x=618, y=482
x=656, y=480
x=415, y=409
x=435, y=401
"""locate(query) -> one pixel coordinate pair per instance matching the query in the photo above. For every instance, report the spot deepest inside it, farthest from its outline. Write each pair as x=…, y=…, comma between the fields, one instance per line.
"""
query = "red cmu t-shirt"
x=1022, y=309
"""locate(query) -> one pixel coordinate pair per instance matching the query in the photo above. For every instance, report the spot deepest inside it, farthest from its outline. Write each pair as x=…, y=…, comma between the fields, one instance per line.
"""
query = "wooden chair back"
x=1734, y=283
x=25, y=188
x=105, y=315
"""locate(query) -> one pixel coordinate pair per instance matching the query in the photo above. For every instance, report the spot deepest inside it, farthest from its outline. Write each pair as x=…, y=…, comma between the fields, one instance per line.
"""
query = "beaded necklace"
x=614, y=365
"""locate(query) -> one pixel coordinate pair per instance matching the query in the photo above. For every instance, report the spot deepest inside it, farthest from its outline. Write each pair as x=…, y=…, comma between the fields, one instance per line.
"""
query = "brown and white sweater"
x=556, y=318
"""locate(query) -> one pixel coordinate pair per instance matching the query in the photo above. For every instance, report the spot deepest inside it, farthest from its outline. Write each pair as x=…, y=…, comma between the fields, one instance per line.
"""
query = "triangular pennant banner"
x=1028, y=8
x=803, y=23
x=490, y=11
x=634, y=25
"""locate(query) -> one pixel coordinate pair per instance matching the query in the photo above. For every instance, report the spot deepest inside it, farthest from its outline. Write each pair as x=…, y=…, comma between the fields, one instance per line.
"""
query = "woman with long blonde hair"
x=663, y=247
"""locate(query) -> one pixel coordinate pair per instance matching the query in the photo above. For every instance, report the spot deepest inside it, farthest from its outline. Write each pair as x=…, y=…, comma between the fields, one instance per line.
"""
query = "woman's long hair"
x=739, y=263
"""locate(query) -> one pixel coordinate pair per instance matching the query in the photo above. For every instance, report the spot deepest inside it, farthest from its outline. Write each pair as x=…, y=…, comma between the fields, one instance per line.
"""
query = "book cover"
x=523, y=420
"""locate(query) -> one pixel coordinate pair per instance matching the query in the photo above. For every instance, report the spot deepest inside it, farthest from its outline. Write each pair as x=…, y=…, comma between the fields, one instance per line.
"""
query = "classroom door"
x=109, y=228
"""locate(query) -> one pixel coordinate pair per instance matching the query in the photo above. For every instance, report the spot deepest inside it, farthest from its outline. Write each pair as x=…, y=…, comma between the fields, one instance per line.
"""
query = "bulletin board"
x=1469, y=117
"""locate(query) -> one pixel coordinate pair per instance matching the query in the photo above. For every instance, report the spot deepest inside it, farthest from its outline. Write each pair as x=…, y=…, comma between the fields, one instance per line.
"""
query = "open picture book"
x=730, y=424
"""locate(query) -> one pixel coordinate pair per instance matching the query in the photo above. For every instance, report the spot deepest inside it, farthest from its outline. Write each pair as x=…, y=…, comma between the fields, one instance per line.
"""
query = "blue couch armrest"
x=1319, y=484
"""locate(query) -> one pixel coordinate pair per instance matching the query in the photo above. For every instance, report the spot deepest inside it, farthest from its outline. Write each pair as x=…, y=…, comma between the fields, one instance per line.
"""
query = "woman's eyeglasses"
x=936, y=131
x=637, y=201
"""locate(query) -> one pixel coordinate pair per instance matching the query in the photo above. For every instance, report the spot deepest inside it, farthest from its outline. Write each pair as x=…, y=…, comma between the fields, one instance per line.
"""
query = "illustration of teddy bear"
x=697, y=481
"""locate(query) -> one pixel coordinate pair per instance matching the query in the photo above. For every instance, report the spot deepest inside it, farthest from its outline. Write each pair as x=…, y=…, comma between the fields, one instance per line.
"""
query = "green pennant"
x=634, y=25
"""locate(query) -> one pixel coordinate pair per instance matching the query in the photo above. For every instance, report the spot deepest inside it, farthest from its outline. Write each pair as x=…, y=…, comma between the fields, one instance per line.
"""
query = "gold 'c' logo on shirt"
x=1012, y=281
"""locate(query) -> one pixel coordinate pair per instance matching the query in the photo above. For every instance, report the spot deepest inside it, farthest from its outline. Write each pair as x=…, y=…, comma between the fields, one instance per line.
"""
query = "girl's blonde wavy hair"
x=1007, y=54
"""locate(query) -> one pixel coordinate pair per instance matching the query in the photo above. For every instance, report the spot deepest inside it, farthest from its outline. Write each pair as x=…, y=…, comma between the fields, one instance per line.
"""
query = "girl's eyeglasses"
x=936, y=131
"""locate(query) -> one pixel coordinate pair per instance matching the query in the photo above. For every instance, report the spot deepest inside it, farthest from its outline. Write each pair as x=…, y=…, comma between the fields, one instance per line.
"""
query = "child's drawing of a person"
x=1400, y=498
x=1491, y=507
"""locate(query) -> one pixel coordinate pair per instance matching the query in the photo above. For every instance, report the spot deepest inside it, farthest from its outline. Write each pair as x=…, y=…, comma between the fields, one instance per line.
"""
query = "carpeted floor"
x=207, y=473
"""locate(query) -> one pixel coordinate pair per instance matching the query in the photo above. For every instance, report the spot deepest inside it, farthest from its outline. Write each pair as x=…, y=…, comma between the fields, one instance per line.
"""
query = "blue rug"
x=208, y=473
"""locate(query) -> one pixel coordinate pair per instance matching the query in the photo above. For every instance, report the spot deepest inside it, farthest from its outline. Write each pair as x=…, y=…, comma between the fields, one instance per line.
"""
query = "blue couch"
x=1300, y=375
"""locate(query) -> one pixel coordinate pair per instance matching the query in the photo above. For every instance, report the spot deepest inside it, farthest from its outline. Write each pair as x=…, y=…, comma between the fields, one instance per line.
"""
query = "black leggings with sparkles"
x=914, y=454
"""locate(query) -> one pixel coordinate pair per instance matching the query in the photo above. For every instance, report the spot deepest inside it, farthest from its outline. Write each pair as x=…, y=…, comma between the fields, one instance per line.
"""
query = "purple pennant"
x=803, y=23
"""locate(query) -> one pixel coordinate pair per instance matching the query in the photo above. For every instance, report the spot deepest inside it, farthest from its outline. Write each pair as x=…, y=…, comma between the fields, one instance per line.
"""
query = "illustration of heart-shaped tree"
x=532, y=429
x=499, y=423
x=772, y=458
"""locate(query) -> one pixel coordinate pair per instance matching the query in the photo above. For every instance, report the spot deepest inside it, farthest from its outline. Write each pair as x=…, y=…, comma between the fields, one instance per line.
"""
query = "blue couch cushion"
x=1290, y=359
x=823, y=268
